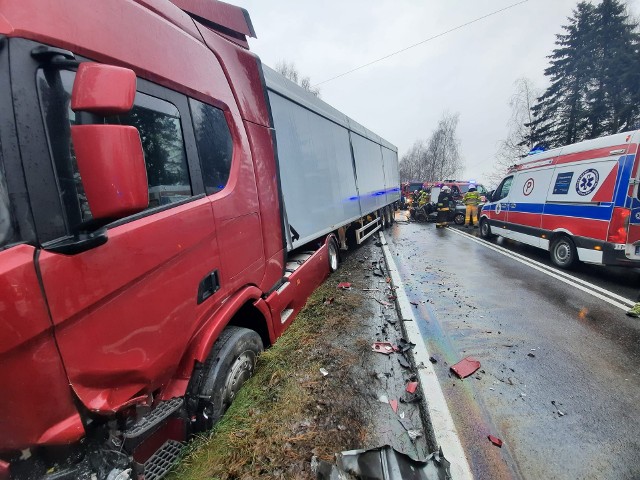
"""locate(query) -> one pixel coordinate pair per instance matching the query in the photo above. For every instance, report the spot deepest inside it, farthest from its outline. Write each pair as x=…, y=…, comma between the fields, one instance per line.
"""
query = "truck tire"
x=485, y=229
x=229, y=365
x=334, y=255
x=563, y=252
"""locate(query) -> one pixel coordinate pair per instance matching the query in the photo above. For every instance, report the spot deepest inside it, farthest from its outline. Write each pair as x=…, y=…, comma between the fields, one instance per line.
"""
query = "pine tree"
x=611, y=105
x=560, y=116
x=594, y=75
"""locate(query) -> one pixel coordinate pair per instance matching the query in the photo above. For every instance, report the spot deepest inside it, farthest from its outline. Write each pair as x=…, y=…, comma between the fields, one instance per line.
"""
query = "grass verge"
x=289, y=411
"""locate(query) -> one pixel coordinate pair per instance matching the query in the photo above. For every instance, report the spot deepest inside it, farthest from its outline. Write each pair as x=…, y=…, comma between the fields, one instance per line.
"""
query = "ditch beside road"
x=321, y=389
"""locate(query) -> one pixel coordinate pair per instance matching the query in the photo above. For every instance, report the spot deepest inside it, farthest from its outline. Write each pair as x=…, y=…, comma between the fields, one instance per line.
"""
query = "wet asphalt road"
x=545, y=347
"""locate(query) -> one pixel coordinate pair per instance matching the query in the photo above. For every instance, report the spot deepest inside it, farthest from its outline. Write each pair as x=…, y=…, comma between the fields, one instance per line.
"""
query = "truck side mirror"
x=103, y=89
x=110, y=157
x=111, y=164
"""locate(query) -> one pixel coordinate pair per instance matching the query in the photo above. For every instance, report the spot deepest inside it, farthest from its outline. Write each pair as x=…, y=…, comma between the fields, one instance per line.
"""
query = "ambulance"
x=580, y=202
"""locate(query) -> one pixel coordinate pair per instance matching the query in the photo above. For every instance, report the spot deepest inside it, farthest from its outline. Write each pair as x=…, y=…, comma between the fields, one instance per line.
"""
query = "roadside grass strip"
x=289, y=410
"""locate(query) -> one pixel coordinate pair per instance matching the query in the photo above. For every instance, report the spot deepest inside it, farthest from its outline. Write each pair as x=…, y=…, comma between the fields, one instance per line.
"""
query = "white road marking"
x=594, y=290
x=443, y=427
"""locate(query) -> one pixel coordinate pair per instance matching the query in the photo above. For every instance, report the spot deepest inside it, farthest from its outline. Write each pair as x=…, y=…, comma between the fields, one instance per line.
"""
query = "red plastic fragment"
x=394, y=405
x=465, y=367
x=344, y=285
x=412, y=387
x=495, y=440
x=383, y=347
x=4, y=470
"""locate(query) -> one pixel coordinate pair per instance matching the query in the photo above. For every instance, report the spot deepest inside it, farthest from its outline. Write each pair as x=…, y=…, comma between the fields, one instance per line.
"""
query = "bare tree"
x=289, y=70
x=516, y=145
x=443, y=148
x=436, y=159
x=413, y=164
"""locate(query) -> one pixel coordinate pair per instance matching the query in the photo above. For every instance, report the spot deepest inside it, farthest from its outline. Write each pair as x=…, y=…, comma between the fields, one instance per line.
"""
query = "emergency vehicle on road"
x=579, y=202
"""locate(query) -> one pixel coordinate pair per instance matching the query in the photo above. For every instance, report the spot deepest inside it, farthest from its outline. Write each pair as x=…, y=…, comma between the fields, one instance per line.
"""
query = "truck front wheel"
x=230, y=364
x=563, y=252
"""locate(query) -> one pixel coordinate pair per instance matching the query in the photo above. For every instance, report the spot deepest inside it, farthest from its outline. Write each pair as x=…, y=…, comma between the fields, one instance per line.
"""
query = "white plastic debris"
x=324, y=372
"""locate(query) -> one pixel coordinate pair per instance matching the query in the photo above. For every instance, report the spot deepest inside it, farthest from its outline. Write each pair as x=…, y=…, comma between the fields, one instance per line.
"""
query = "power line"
x=423, y=41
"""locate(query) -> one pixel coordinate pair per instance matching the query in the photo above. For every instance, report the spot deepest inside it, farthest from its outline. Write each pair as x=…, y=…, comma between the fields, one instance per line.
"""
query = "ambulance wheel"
x=230, y=364
x=458, y=219
x=334, y=256
x=485, y=229
x=563, y=252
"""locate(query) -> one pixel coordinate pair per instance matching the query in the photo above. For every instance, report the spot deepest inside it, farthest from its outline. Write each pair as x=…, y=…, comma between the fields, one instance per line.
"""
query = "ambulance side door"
x=500, y=207
x=526, y=204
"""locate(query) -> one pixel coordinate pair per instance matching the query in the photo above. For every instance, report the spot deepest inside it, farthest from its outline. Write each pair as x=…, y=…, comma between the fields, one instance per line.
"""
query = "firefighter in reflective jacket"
x=471, y=199
x=445, y=199
x=425, y=197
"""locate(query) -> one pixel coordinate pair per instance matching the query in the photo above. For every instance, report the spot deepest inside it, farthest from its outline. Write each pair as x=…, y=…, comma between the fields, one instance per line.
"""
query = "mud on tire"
x=229, y=365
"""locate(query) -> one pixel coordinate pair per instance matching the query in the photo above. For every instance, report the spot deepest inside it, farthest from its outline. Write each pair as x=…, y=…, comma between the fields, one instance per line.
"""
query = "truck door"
x=35, y=396
x=123, y=311
x=499, y=217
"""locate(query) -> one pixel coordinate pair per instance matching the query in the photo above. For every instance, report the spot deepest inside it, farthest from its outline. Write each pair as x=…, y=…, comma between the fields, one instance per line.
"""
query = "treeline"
x=594, y=76
x=437, y=158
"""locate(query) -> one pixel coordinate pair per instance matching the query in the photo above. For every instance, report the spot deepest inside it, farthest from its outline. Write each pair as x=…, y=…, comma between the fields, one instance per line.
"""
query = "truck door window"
x=503, y=189
x=215, y=145
x=158, y=122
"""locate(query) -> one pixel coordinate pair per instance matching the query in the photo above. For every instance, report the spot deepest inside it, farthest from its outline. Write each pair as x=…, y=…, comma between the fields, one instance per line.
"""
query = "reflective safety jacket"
x=424, y=198
x=472, y=198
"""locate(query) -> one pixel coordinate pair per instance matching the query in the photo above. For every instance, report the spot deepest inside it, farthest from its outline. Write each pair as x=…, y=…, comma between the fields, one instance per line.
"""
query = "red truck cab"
x=140, y=229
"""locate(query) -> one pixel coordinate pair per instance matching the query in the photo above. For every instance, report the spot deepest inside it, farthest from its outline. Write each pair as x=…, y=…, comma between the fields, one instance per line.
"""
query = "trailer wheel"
x=230, y=364
x=382, y=217
x=334, y=256
x=563, y=252
x=485, y=229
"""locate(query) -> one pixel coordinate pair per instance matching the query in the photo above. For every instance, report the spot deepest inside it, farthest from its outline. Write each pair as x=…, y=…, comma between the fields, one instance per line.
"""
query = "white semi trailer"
x=333, y=171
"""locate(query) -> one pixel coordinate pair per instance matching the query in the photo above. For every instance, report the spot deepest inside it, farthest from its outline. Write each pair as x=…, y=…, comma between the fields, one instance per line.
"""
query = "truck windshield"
x=414, y=187
x=8, y=226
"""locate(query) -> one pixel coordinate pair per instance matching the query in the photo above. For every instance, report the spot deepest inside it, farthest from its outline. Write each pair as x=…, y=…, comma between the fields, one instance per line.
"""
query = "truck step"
x=154, y=418
x=161, y=462
x=286, y=313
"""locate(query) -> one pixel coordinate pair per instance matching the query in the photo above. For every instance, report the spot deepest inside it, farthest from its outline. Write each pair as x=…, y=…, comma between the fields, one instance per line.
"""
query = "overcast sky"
x=470, y=71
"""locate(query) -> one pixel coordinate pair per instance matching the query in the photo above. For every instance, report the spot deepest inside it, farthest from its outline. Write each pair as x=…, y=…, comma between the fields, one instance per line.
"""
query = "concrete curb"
x=444, y=429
